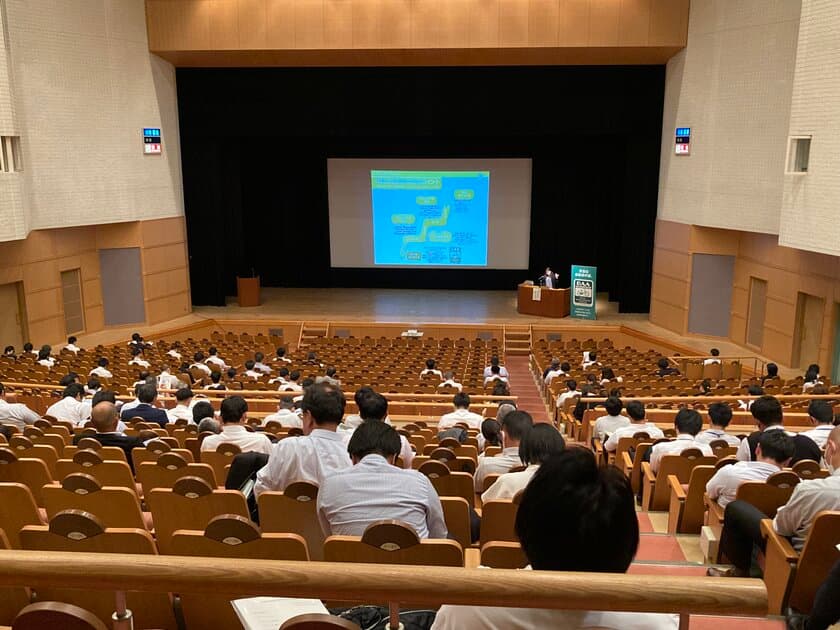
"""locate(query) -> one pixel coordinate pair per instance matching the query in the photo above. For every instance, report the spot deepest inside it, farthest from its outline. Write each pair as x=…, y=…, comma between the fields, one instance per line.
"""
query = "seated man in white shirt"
x=720, y=415
x=285, y=415
x=15, y=414
x=590, y=359
x=775, y=448
x=538, y=444
x=376, y=490
x=373, y=407
x=28, y=349
x=822, y=417
x=515, y=425
x=449, y=381
x=183, y=406
x=555, y=371
x=495, y=375
x=234, y=416
x=462, y=413
x=292, y=384
x=638, y=424
x=250, y=372
x=259, y=366
x=571, y=392
x=715, y=354
x=282, y=376
x=494, y=360
x=605, y=425
x=71, y=345
x=330, y=376
x=93, y=386
x=198, y=362
x=214, y=358
x=353, y=420
x=688, y=423
x=431, y=369
x=216, y=381
x=280, y=356
x=316, y=454
x=592, y=511
x=137, y=358
x=174, y=350
x=101, y=370
x=70, y=407
x=741, y=521
x=201, y=410
x=45, y=358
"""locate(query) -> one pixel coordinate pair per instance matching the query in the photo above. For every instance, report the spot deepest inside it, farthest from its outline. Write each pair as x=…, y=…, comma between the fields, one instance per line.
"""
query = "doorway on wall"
x=835, y=371
x=13, y=330
x=810, y=311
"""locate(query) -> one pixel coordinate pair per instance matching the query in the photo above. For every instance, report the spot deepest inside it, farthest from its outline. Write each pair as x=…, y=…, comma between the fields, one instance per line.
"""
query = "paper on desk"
x=269, y=613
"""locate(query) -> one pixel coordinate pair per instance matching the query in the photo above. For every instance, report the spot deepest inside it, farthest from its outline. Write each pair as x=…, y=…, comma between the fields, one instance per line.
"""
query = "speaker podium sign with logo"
x=583, y=291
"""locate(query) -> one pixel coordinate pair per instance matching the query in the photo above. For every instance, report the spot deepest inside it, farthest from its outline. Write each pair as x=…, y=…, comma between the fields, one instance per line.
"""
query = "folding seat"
x=393, y=542
x=23, y=447
x=154, y=449
x=168, y=469
x=656, y=489
x=32, y=473
x=74, y=530
x=498, y=520
x=56, y=615
x=687, y=508
x=448, y=483
x=107, y=473
x=114, y=506
x=220, y=459
x=229, y=536
x=768, y=496
x=809, y=469
x=17, y=509
x=294, y=511
x=503, y=555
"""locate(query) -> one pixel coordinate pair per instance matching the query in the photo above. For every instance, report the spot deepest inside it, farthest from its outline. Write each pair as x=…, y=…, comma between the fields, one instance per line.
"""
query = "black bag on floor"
x=376, y=617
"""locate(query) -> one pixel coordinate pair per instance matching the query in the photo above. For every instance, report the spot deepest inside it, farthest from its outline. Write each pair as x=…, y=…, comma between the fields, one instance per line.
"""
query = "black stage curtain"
x=255, y=144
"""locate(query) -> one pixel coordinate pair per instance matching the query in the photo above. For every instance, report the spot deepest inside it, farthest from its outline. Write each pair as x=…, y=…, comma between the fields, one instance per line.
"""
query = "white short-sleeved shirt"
x=451, y=382
x=374, y=490
x=101, y=371
x=69, y=409
x=237, y=434
x=710, y=435
x=630, y=430
x=406, y=452
x=306, y=458
x=201, y=367
x=180, y=412
x=16, y=414
x=819, y=434
x=809, y=498
x=496, y=465
x=502, y=371
x=723, y=486
x=608, y=424
x=509, y=484
x=286, y=418
x=683, y=441
x=218, y=361
x=449, y=420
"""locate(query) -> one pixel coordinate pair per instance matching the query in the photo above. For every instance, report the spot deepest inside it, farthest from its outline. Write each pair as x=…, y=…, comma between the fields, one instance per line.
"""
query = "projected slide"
x=430, y=217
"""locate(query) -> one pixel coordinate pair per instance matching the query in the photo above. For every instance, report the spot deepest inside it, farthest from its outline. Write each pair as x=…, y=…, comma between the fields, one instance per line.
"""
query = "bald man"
x=105, y=417
x=741, y=525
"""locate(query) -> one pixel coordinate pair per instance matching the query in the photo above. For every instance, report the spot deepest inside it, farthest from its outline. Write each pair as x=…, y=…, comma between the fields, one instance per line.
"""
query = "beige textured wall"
x=39, y=259
x=732, y=85
x=83, y=86
x=811, y=202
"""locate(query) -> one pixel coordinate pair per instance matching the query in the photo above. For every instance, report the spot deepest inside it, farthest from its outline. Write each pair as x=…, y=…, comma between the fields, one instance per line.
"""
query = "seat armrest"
x=627, y=462
x=676, y=488
x=648, y=483
x=779, y=543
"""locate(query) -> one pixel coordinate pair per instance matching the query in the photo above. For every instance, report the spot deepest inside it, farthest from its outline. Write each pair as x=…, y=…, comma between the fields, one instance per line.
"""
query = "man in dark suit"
x=147, y=394
x=104, y=417
x=549, y=279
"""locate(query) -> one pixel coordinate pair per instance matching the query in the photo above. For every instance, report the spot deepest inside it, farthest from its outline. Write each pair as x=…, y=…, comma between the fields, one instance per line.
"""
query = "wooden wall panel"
x=465, y=31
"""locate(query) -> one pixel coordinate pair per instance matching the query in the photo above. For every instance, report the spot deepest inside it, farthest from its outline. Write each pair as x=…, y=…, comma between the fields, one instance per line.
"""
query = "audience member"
x=44, y=357
x=494, y=360
x=514, y=427
x=9, y=351
x=589, y=509
x=216, y=381
x=174, y=350
x=720, y=415
x=29, y=349
x=821, y=415
x=767, y=412
x=234, y=415
x=553, y=371
x=742, y=521
x=608, y=376
x=449, y=381
x=665, y=368
x=688, y=423
x=201, y=410
x=280, y=356
x=259, y=364
x=183, y=406
x=491, y=434
x=209, y=425
x=590, y=359
x=198, y=363
x=70, y=407
x=431, y=369
x=106, y=419
x=772, y=373
x=773, y=453
x=495, y=375
x=714, y=358
x=68, y=379
x=373, y=489
x=282, y=377
x=292, y=384
x=605, y=425
x=146, y=395
x=250, y=372
x=373, y=407
x=638, y=424
x=537, y=445
x=571, y=392
x=214, y=358
x=137, y=358
x=812, y=378
x=318, y=452
x=285, y=415
x=752, y=390
x=462, y=413
x=15, y=414
x=71, y=345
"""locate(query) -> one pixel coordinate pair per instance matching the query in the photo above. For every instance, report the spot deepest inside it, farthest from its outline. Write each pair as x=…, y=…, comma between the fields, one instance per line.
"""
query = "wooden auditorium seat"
x=107, y=473
x=294, y=512
x=792, y=577
x=113, y=506
x=23, y=447
x=44, y=615
x=75, y=530
x=767, y=496
x=809, y=469
x=32, y=473
x=169, y=468
x=12, y=598
x=656, y=489
x=456, y=513
x=154, y=449
x=191, y=503
x=503, y=555
x=498, y=520
x=229, y=536
x=17, y=510
x=220, y=459
x=318, y=621
x=448, y=483
x=633, y=467
x=393, y=542
x=687, y=508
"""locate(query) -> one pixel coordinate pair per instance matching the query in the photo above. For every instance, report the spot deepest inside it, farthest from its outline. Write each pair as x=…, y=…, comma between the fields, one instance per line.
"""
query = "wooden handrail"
x=712, y=399
x=417, y=585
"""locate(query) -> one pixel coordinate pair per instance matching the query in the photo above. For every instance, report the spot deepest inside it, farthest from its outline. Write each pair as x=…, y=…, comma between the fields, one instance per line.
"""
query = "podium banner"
x=583, y=291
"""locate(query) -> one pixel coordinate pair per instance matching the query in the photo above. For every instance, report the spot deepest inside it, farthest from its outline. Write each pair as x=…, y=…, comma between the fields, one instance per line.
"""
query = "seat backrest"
x=23, y=447
x=107, y=453
x=75, y=530
x=456, y=514
x=220, y=459
x=809, y=469
x=768, y=496
x=191, y=503
x=32, y=473
x=294, y=512
x=114, y=506
x=636, y=472
x=679, y=466
x=56, y=615
x=817, y=558
x=169, y=468
x=498, y=520
x=107, y=473
x=318, y=621
x=17, y=510
x=393, y=542
x=229, y=536
x=448, y=483
x=503, y=555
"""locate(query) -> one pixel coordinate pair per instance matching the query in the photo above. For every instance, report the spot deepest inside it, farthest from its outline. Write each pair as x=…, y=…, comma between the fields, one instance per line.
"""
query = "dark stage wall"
x=255, y=144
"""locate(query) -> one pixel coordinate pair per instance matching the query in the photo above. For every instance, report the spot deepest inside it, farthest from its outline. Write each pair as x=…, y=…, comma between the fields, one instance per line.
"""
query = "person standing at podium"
x=549, y=279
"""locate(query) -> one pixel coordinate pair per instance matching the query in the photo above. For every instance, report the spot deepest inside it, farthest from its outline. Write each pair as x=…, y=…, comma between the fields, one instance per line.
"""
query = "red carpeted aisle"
x=522, y=384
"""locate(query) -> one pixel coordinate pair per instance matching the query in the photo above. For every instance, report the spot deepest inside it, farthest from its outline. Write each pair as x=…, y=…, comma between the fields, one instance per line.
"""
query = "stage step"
x=518, y=340
x=309, y=332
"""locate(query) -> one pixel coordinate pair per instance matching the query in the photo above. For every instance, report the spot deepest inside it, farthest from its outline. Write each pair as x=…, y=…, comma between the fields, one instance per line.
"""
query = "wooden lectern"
x=549, y=302
x=248, y=291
